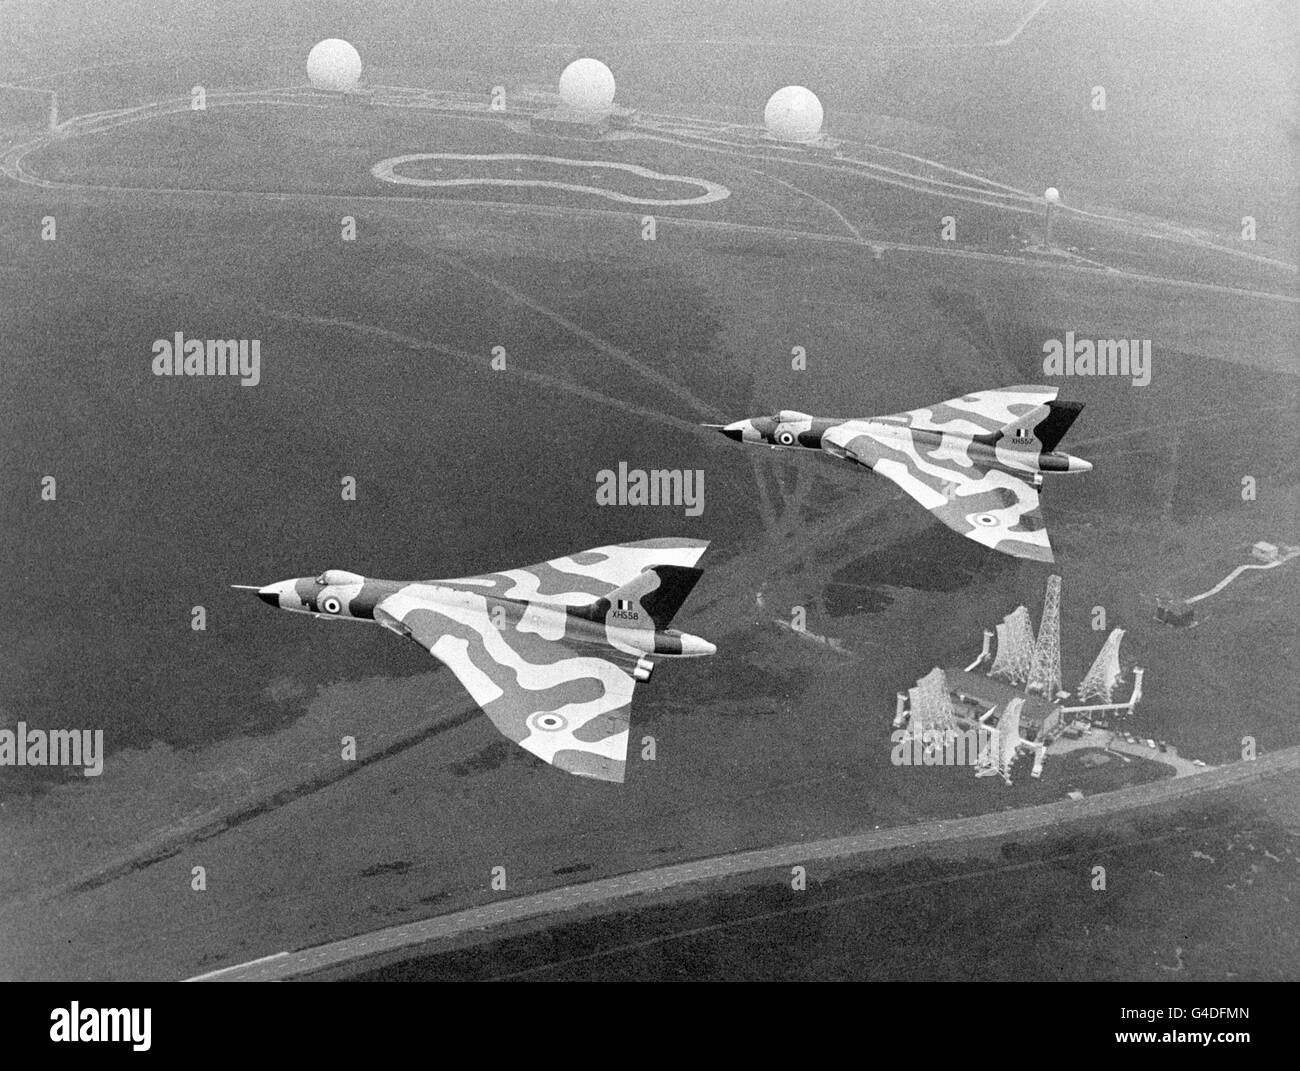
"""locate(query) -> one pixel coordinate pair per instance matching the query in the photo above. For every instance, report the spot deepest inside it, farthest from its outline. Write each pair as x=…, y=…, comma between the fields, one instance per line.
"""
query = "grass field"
x=375, y=364
x=1185, y=895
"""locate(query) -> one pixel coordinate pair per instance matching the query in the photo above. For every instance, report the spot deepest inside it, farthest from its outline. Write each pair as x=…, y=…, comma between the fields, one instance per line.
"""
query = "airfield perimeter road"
x=12, y=155
x=286, y=965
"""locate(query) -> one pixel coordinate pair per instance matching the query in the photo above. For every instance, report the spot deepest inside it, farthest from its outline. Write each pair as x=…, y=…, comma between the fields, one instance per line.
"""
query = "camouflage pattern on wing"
x=987, y=504
x=552, y=653
x=976, y=461
x=580, y=579
x=546, y=681
x=980, y=413
x=568, y=708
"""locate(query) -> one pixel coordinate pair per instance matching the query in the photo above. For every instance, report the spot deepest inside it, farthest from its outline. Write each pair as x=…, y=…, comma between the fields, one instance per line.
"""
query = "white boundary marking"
x=385, y=170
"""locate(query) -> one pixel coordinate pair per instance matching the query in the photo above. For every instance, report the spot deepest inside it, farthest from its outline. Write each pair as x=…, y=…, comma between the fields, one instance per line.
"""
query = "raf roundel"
x=331, y=605
x=548, y=721
x=786, y=438
x=986, y=520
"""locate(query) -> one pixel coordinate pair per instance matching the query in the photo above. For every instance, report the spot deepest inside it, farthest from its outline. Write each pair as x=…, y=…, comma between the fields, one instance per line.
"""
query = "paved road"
x=284, y=965
x=1111, y=740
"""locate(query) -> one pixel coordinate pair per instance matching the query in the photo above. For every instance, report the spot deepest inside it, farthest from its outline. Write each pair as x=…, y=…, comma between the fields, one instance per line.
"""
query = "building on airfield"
x=1175, y=612
x=566, y=121
x=1017, y=703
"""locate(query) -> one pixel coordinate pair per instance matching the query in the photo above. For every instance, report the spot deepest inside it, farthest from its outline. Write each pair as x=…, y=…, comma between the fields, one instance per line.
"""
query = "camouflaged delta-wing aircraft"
x=551, y=652
x=975, y=462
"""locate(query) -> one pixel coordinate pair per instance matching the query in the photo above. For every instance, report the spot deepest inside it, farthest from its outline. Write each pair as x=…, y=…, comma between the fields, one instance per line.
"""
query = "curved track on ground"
x=11, y=166
x=285, y=965
x=387, y=171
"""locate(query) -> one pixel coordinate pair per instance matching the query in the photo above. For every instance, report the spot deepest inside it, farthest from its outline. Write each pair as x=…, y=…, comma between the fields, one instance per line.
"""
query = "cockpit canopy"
x=791, y=416
x=332, y=577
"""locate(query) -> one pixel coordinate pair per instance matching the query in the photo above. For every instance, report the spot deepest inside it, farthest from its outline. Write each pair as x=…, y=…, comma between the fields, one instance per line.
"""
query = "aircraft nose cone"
x=270, y=594
x=742, y=431
x=1077, y=464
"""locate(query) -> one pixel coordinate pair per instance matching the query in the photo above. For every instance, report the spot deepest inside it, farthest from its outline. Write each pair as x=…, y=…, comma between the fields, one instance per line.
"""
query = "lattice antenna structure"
x=990, y=748
x=1015, y=648
x=931, y=705
x=1098, y=684
x=1009, y=738
x=1045, y=671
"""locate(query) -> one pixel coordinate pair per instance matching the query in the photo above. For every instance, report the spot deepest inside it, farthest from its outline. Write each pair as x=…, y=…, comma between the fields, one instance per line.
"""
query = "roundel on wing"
x=547, y=721
x=986, y=520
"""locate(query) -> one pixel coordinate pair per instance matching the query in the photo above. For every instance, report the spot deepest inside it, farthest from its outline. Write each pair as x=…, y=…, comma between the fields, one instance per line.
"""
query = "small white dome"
x=334, y=65
x=587, y=83
x=793, y=114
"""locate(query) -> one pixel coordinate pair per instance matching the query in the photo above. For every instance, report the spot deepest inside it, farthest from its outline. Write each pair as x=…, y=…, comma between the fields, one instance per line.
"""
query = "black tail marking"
x=1052, y=430
x=671, y=585
x=675, y=584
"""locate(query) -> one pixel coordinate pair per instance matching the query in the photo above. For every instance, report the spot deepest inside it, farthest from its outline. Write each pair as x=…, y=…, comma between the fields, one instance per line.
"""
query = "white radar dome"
x=793, y=114
x=587, y=83
x=334, y=65
x=1051, y=195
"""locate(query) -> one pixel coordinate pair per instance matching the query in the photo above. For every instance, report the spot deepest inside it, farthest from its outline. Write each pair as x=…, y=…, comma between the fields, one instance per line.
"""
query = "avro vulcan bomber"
x=975, y=462
x=551, y=652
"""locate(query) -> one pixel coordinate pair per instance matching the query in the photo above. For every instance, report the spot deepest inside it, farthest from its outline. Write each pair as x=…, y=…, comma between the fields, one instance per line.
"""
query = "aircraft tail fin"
x=1040, y=429
x=652, y=597
x=1052, y=429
